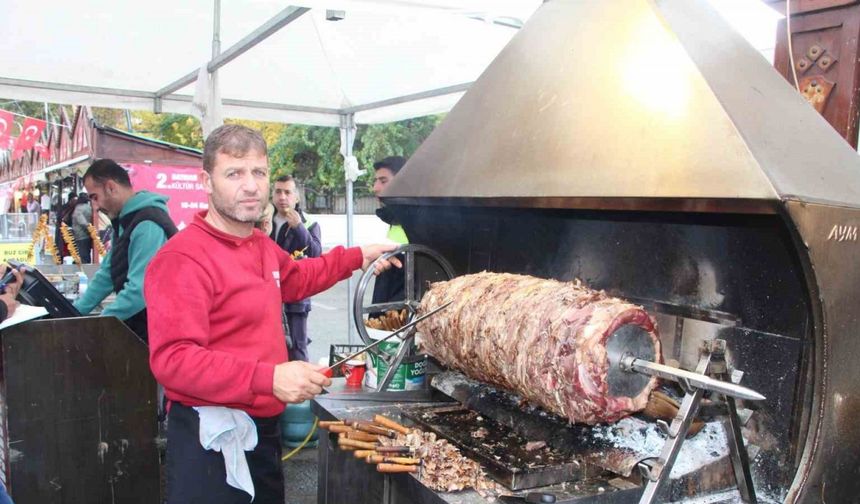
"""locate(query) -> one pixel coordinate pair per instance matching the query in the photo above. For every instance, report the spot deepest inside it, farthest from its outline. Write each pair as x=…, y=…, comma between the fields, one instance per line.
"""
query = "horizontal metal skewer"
x=395, y=333
x=689, y=378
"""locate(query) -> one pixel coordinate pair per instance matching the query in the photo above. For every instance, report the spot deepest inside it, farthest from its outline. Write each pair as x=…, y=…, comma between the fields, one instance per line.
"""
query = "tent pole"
x=347, y=139
x=216, y=31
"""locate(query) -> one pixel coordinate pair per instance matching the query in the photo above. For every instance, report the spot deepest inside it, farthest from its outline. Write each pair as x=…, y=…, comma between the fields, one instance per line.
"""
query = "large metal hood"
x=614, y=104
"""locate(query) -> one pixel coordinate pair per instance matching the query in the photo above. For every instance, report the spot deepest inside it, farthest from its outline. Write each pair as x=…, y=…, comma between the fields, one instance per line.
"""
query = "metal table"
x=345, y=480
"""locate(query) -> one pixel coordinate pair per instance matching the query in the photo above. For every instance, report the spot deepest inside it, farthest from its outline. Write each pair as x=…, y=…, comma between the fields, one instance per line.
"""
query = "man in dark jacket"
x=300, y=238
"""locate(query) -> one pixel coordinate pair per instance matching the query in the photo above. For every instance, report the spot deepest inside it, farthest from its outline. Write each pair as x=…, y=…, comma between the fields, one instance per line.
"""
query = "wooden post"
x=825, y=44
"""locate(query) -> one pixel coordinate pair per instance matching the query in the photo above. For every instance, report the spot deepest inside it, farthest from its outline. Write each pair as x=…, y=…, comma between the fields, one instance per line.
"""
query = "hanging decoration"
x=41, y=233
x=70, y=243
x=97, y=242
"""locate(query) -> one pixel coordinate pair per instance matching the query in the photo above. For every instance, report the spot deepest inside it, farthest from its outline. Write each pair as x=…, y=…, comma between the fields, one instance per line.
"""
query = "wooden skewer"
x=363, y=454
x=340, y=428
x=391, y=424
x=325, y=424
x=393, y=449
x=373, y=429
x=396, y=468
x=362, y=436
x=380, y=459
x=346, y=448
x=361, y=445
x=402, y=460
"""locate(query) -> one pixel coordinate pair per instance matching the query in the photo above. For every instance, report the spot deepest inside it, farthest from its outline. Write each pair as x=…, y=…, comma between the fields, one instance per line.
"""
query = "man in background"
x=82, y=216
x=390, y=285
x=141, y=225
x=300, y=238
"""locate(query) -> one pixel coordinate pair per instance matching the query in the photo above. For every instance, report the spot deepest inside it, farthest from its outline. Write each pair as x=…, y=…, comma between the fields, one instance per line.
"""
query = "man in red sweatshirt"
x=213, y=296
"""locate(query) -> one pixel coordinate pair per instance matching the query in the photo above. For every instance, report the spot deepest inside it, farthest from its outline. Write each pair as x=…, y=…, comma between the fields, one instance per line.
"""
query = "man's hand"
x=371, y=252
x=298, y=381
x=11, y=292
x=293, y=218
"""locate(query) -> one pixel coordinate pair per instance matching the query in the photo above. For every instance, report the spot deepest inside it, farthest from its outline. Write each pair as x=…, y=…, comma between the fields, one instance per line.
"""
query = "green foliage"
x=115, y=118
x=309, y=153
x=181, y=129
x=312, y=153
x=33, y=109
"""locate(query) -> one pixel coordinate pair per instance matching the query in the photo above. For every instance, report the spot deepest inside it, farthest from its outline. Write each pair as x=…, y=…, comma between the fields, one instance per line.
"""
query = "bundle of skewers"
x=389, y=321
x=394, y=448
x=368, y=440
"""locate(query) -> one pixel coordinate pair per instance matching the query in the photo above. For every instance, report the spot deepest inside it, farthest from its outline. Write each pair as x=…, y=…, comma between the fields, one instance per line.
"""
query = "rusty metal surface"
x=633, y=100
x=500, y=450
x=831, y=451
x=345, y=480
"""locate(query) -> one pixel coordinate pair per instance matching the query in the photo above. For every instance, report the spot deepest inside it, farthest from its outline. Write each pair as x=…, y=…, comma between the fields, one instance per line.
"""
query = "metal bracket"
x=712, y=357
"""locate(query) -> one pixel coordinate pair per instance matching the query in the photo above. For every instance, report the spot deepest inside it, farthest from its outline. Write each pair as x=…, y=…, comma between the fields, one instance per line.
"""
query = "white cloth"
x=231, y=432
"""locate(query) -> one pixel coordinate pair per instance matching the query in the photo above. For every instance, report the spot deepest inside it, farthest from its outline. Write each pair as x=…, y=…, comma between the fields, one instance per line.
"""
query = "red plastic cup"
x=327, y=372
x=353, y=371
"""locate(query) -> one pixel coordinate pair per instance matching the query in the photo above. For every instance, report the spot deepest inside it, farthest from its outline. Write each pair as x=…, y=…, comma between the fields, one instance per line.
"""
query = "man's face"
x=285, y=196
x=237, y=187
x=104, y=197
x=381, y=179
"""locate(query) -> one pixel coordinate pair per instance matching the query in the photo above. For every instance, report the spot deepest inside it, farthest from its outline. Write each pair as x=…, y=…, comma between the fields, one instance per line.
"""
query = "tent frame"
x=165, y=99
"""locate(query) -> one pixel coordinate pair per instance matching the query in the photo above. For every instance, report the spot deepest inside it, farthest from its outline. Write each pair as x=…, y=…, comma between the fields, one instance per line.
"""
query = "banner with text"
x=182, y=184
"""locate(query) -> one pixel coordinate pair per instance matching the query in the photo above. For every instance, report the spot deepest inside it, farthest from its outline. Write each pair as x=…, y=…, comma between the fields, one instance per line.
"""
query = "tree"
x=312, y=153
x=115, y=118
x=33, y=109
x=309, y=153
x=378, y=141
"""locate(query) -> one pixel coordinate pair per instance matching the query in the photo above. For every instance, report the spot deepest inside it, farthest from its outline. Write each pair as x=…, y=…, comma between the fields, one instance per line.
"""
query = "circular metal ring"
x=409, y=253
x=628, y=341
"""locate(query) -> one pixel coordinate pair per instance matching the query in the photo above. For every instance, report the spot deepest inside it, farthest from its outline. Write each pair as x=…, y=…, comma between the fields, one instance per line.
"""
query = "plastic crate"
x=338, y=352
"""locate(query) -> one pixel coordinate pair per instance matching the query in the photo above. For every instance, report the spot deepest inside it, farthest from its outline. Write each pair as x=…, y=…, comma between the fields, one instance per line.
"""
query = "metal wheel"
x=409, y=255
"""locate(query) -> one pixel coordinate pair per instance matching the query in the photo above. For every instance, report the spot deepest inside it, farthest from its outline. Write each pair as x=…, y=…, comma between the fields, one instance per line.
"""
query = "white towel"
x=231, y=432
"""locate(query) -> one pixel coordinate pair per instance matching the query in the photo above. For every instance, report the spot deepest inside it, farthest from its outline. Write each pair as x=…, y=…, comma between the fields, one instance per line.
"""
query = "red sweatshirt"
x=213, y=304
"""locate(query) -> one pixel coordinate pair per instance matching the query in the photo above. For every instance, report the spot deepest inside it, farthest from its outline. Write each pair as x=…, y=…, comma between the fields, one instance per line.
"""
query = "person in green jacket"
x=390, y=285
x=141, y=226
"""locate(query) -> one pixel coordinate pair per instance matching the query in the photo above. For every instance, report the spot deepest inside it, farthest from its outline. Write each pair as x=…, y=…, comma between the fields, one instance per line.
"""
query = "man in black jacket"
x=300, y=238
x=141, y=225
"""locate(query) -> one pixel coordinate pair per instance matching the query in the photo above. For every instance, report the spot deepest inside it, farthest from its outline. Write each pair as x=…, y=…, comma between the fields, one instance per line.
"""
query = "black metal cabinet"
x=79, y=411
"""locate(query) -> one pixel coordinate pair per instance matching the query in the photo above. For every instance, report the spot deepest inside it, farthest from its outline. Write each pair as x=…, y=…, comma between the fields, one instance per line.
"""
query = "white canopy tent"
x=318, y=62
x=385, y=60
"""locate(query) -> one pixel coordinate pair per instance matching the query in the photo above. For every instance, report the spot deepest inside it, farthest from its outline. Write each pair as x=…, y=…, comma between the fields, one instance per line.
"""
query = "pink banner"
x=182, y=184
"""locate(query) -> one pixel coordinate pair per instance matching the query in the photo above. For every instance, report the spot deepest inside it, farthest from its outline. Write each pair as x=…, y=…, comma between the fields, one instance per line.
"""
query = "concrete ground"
x=327, y=325
x=300, y=477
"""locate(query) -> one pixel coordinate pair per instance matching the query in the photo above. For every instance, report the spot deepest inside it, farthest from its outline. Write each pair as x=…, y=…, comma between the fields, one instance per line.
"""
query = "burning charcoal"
x=481, y=433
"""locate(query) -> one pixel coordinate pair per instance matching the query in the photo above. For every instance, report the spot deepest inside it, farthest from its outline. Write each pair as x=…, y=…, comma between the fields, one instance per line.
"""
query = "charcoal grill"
x=645, y=148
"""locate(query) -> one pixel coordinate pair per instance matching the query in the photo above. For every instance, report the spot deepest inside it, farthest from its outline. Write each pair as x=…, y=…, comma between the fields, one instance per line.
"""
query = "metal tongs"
x=395, y=333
